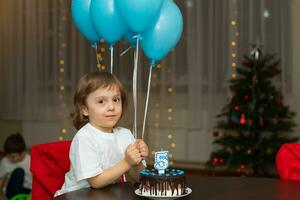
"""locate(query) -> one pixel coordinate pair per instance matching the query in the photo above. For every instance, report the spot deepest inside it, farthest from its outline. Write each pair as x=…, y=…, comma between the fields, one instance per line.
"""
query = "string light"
x=161, y=68
x=61, y=67
x=99, y=66
x=234, y=34
x=170, y=115
x=60, y=138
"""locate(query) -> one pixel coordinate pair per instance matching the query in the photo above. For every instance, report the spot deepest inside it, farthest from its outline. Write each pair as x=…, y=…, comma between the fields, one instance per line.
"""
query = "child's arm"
x=132, y=158
x=2, y=182
x=144, y=151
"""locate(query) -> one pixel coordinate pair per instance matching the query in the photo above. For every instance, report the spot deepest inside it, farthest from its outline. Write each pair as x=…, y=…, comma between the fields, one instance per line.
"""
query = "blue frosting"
x=168, y=172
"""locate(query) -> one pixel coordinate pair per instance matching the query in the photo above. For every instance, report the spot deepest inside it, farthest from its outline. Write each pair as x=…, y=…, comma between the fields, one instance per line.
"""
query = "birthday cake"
x=162, y=181
x=168, y=184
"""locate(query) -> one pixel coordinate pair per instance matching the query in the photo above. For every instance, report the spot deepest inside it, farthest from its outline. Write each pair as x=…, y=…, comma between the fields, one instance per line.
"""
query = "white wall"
x=43, y=132
x=7, y=128
x=296, y=57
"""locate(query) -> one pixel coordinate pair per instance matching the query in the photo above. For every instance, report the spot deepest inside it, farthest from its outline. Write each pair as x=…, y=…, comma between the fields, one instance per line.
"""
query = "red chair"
x=288, y=161
x=49, y=163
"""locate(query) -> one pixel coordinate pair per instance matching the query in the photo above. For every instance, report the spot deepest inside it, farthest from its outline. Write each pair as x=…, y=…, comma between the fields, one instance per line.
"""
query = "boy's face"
x=15, y=157
x=104, y=108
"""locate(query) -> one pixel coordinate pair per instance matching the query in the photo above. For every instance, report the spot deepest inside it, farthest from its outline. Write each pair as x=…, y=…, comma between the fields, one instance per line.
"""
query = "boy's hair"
x=14, y=144
x=88, y=84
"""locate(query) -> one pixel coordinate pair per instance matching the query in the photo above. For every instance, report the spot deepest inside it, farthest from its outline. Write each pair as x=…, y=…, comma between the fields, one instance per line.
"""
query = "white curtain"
x=188, y=90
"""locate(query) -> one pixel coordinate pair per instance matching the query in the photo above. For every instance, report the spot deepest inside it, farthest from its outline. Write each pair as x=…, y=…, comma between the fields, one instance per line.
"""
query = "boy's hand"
x=132, y=155
x=142, y=147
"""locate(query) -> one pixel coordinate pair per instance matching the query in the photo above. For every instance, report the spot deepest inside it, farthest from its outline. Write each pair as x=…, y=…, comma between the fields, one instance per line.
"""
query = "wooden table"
x=206, y=188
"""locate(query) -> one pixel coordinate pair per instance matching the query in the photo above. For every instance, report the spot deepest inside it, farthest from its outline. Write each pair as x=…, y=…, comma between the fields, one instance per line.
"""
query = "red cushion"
x=288, y=162
x=49, y=163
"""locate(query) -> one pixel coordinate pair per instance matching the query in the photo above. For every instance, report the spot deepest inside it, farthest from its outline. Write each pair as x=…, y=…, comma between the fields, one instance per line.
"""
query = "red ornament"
x=261, y=122
x=237, y=107
x=216, y=133
x=242, y=166
x=215, y=161
x=221, y=161
x=279, y=103
x=246, y=97
x=243, y=119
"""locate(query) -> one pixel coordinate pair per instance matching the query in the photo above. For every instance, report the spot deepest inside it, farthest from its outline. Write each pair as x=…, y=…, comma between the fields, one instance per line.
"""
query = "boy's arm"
x=132, y=158
x=133, y=174
x=2, y=182
x=109, y=175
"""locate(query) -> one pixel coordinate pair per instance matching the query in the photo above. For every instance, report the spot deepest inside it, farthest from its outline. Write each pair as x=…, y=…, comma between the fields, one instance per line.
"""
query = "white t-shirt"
x=7, y=167
x=92, y=151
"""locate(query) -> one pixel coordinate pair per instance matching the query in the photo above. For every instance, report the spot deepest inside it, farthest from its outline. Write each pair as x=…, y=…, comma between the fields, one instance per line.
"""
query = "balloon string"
x=111, y=58
x=94, y=45
x=134, y=87
x=147, y=99
x=125, y=51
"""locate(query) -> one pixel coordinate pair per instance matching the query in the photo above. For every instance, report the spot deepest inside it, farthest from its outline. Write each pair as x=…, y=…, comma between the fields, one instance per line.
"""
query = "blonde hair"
x=88, y=84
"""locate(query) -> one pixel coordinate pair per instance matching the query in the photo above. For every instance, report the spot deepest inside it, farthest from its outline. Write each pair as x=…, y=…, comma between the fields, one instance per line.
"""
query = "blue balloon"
x=80, y=10
x=139, y=14
x=130, y=38
x=107, y=21
x=158, y=41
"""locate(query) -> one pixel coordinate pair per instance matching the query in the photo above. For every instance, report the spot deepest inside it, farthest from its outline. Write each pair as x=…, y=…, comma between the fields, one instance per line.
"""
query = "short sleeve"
x=125, y=137
x=85, y=159
x=131, y=138
x=3, y=170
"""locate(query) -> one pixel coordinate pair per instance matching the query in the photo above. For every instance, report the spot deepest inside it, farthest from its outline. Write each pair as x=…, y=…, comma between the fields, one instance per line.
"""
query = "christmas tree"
x=255, y=122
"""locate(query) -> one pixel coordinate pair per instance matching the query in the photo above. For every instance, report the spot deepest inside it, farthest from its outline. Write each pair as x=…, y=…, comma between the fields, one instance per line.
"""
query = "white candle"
x=161, y=161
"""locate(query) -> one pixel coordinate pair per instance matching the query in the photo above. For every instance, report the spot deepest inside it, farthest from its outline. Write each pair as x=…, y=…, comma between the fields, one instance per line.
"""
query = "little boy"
x=15, y=176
